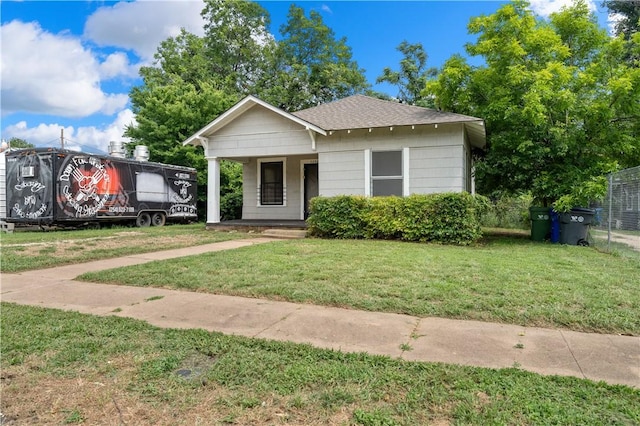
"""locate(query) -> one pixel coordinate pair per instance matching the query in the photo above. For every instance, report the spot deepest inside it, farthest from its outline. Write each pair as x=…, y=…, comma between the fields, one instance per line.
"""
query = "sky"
x=69, y=65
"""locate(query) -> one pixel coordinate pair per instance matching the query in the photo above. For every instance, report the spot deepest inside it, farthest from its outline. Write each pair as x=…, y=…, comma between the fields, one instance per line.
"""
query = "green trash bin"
x=540, y=223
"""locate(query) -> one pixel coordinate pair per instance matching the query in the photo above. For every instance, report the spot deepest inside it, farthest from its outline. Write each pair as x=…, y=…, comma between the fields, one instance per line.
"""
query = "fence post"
x=610, y=212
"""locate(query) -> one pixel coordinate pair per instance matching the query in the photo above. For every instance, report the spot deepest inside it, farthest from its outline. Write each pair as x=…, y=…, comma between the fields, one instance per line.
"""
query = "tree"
x=629, y=13
x=560, y=102
x=20, y=143
x=237, y=43
x=413, y=75
x=310, y=66
x=183, y=56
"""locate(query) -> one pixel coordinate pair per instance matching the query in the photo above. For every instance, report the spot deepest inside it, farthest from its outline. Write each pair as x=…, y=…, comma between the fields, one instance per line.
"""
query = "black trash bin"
x=574, y=226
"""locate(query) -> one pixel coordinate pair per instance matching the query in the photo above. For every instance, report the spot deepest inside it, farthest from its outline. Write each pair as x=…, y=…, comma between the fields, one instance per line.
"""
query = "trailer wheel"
x=143, y=220
x=158, y=219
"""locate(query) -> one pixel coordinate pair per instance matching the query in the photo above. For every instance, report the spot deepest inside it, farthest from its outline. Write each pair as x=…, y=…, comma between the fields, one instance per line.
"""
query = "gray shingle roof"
x=361, y=112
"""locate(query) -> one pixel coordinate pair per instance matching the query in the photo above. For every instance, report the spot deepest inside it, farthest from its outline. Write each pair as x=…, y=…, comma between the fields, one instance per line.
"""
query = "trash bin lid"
x=582, y=210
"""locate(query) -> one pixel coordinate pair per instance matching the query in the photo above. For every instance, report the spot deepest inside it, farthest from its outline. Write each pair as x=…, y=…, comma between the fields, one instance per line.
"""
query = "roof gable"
x=239, y=109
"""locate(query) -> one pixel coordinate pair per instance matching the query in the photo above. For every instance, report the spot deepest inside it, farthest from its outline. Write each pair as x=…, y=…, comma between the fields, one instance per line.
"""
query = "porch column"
x=213, y=190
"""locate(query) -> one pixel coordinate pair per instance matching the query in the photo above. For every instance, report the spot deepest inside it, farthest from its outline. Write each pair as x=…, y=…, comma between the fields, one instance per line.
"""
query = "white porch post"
x=213, y=190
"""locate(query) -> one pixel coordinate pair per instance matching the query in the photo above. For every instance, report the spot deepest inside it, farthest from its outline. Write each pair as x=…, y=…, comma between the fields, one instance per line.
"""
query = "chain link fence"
x=616, y=227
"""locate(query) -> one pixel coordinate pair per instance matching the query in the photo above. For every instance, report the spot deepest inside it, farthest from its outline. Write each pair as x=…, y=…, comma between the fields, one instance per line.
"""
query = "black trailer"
x=49, y=186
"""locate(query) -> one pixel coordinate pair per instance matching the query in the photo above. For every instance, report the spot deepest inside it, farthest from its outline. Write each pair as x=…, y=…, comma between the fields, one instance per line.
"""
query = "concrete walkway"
x=612, y=358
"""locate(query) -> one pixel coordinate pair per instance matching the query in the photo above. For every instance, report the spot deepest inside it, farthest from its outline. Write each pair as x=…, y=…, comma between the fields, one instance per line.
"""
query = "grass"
x=616, y=246
x=38, y=249
x=110, y=370
x=505, y=279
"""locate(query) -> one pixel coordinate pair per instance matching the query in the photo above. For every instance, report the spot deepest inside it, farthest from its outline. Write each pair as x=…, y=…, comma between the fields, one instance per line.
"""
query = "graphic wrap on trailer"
x=30, y=187
x=49, y=186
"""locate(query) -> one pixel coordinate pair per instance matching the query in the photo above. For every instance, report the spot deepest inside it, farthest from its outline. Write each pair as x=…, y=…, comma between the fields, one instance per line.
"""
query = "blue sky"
x=71, y=64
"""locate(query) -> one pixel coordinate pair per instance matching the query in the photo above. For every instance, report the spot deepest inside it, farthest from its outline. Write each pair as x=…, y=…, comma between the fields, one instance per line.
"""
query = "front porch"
x=276, y=191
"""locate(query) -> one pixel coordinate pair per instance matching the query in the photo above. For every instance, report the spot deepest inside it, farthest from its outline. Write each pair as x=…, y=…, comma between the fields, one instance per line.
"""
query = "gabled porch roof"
x=199, y=138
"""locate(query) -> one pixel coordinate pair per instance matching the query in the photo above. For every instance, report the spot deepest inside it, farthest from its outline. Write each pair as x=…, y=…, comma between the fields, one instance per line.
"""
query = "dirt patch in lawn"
x=69, y=248
x=32, y=397
x=116, y=396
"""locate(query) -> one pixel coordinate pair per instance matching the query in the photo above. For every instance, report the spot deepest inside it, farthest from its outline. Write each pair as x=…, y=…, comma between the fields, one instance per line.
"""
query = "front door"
x=310, y=185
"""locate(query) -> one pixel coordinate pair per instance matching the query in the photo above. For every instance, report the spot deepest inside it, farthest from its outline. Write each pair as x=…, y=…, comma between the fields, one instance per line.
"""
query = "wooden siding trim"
x=406, y=181
x=367, y=172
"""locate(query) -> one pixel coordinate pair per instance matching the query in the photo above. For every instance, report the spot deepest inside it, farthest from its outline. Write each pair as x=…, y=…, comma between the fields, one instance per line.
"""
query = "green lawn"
x=504, y=279
x=38, y=249
x=68, y=368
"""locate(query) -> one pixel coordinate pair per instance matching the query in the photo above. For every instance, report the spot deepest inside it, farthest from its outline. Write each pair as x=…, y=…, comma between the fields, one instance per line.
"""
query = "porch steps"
x=285, y=233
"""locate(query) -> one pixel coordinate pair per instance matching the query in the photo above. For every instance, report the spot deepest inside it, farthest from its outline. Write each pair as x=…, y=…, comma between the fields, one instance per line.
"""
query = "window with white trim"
x=271, y=179
x=386, y=173
x=628, y=197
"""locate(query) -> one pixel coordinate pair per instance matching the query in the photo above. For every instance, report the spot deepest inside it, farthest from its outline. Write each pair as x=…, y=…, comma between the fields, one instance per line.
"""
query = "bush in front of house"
x=508, y=211
x=337, y=217
x=449, y=218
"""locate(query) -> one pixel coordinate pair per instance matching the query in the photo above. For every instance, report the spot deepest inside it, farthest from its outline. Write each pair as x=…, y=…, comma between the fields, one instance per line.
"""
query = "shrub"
x=382, y=219
x=450, y=218
x=507, y=211
x=337, y=217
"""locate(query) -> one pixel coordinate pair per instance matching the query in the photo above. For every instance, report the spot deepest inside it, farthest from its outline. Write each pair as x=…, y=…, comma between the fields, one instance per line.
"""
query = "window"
x=28, y=171
x=628, y=197
x=271, y=183
x=386, y=173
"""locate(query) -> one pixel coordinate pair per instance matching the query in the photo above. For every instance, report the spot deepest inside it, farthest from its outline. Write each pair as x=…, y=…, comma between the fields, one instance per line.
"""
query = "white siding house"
x=355, y=146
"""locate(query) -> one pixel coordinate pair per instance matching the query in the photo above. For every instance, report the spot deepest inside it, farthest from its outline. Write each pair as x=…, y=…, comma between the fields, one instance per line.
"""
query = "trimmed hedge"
x=449, y=218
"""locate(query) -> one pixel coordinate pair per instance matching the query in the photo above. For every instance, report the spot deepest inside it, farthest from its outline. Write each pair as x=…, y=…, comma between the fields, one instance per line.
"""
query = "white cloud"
x=327, y=9
x=140, y=26
x=89, y=138
x=612, y=21
x=51, y=74
x=547, y=7
x=117, y=64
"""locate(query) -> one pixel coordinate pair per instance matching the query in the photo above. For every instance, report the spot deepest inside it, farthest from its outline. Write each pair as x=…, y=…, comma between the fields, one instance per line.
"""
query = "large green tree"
x=238, y=44
x=559, y=100
x=310, y=65
x=412, y=76
x=628, y=13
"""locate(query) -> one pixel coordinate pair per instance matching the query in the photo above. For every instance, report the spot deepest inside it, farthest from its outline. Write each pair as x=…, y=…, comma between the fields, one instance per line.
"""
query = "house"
x=354, y=146
x=623, y=202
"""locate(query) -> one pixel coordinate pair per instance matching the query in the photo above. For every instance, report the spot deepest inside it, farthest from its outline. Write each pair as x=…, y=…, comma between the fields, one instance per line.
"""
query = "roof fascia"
x=477, y=133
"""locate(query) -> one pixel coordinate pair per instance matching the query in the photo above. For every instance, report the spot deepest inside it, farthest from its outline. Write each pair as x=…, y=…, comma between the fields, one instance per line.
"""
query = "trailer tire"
x=158, y=219
x=143, y=220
